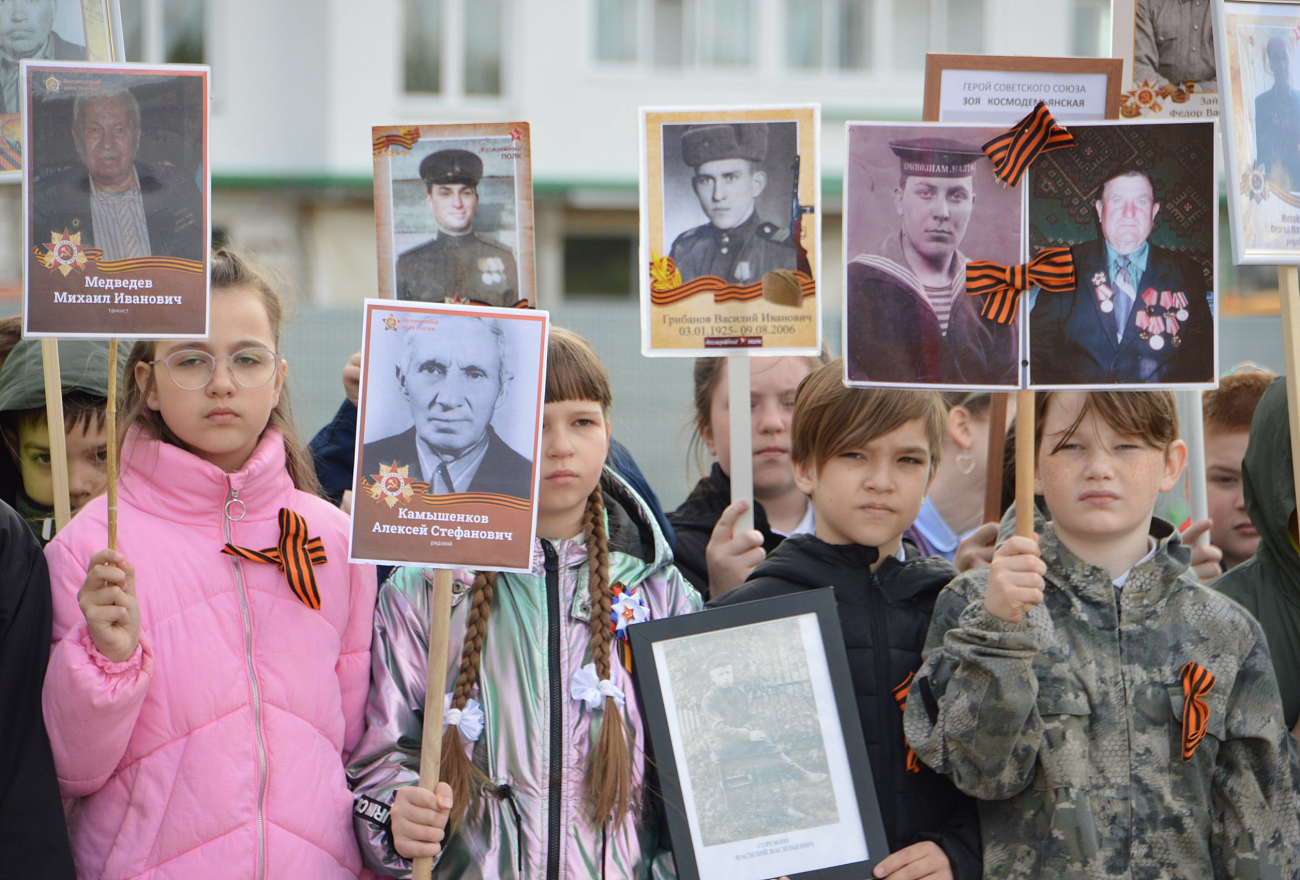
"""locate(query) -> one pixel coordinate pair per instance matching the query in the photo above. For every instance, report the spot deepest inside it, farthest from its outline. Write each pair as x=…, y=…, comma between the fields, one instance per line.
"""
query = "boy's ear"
x=1175, y=459
x=805, y=477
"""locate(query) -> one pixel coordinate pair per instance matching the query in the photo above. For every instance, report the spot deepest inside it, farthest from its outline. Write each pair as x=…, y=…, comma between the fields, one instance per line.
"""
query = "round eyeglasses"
x=192, y=370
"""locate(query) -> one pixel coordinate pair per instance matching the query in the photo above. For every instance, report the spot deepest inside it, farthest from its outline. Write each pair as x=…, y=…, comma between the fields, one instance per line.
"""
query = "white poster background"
x=994, y=96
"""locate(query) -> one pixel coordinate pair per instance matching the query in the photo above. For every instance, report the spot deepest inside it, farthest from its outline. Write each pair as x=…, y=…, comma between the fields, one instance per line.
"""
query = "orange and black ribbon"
x=900, y=697
x=1015, y=150
x=1052, y=270
x=1197, y=683
x=295, y=555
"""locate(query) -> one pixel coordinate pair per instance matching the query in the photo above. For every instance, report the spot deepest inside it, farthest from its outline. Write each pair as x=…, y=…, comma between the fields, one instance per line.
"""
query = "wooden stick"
x=1025, y=463
x=435, y=693
x=110, y=413
x=996, y=457
x=1289, y=282
x=54, y=420
x=742, y=441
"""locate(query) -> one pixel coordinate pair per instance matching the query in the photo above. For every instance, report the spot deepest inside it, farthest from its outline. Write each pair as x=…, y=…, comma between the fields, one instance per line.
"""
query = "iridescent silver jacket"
x=534, y=820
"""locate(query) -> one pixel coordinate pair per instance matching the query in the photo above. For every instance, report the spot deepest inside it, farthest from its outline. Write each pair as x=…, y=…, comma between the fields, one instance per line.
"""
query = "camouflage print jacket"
x=1068, y=726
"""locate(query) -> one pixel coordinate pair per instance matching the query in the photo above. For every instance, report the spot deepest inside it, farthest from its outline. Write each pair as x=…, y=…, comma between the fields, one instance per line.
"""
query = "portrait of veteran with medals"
x=1138, y=314
x=456, y=265
x=736, y=245
x=909, y=318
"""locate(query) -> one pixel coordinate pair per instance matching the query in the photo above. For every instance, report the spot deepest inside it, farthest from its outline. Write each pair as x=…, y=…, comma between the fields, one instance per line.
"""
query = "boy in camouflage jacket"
x=1115, y=717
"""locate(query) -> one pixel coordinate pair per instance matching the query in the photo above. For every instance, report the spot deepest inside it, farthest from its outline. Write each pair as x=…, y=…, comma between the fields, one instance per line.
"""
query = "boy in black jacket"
x=866, y=458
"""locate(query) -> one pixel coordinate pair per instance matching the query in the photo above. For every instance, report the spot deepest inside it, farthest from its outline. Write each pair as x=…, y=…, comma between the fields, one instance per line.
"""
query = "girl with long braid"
x=543, y=755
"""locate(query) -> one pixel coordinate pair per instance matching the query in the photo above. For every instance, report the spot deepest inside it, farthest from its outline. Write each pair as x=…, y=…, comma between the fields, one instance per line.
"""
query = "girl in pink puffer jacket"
x=203, y=721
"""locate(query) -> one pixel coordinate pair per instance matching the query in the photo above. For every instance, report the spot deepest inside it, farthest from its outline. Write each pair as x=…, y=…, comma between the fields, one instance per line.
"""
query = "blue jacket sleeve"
x=333, y=452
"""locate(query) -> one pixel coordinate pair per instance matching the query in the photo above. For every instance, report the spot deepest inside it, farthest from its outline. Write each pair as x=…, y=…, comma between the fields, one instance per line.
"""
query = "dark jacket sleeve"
x=688, y=555
x=960, y=839
x=333, y=451
x=621, y=461
x=33, y=834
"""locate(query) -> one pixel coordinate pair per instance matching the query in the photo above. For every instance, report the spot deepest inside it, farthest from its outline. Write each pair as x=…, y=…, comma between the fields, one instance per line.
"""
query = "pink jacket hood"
x=217, y=749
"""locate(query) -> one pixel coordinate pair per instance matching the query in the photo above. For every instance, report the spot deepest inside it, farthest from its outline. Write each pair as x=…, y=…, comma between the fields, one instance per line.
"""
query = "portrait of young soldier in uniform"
x=908, y=318
x=728, y=175
x=1173, y=44
x=1277, y=120
x=1140, y=311
x=457, y=264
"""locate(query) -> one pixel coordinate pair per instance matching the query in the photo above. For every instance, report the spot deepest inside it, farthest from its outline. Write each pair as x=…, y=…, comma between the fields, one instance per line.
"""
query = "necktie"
x=1128, y=294
x=446, y=476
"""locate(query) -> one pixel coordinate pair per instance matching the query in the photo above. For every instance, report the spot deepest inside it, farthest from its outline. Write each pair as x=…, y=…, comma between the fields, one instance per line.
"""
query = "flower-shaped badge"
x=1099, y=278
x=392, y=484
x=628, y=607
x=1254, y=183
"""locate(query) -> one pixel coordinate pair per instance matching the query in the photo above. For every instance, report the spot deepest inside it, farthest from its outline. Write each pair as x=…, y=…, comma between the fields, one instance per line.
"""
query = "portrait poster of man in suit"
x=450, y=406
x=1137, y=206
x=920, y=203
x=117, y=184
x=46, y=30
x=453, y=210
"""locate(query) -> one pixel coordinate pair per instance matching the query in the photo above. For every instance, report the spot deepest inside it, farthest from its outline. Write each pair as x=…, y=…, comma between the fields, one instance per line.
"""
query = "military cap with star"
x=451, y=166
x=936, y=157
x=726, y=140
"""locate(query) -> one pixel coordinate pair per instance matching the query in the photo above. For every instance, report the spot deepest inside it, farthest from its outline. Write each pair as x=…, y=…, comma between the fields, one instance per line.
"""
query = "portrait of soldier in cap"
x=456, y=264
x=908, y=317
x=736, y=245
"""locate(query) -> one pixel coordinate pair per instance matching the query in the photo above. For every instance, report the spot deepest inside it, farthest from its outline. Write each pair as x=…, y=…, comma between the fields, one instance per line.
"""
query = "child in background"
x=26, y=477
x=204, y=719
x=543, y=755
x=1114, y=716
x=1228, y=411
x=865, y=458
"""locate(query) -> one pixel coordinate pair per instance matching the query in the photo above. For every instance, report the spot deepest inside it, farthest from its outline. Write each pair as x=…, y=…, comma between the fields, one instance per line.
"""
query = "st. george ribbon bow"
x=1052, y=270
x=1197, y=684
x=1014, y=150
x=294, y=555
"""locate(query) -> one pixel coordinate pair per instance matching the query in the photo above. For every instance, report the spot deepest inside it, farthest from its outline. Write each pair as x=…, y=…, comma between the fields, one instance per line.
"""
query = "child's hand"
x=976, y=549
x=730, y=558
x=1205, y=557
x=107, y=599
x=925, y=859
x=1015, y=579
x=352, y=377
x=419, y=820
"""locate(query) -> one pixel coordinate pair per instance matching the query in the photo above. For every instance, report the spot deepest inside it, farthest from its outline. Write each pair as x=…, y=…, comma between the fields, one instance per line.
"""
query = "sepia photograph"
x=453, y=213
x=1170, y=66
x=1137, y=205
x=758, y=741
x=450, y=410
x=920, y=202
x=117, y=192
x=729, y=231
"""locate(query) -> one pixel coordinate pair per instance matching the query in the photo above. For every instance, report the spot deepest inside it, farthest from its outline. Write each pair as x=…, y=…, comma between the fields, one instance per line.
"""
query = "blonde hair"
x=573, y=372
x=229, y=271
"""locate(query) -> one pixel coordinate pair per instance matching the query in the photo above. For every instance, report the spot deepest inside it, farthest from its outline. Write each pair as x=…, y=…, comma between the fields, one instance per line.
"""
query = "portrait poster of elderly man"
x=453, y=210
x=920, y=203
x=45, y=30
x=1141, y=230
x=450, y=406
x=117, y=183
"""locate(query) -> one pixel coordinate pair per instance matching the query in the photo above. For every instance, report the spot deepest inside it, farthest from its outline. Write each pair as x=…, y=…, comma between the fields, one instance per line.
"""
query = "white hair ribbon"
x=469, y=720
x=592, y=690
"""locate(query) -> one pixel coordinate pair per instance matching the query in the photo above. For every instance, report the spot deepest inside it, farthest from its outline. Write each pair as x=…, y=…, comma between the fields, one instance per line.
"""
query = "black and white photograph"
x=449, y=421
x=920, y=202
x=758, y=741
x=1137, y=205
x=1261, y=114
x=454, y=213
x=1170, y=64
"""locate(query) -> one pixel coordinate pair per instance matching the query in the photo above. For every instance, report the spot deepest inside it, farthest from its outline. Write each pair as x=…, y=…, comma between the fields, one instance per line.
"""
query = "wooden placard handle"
x=996, y=457
x=742, y=440
x=435, y=693
x=54, y=421
x=110, y=418
x=1025, y=463
x=1289, y=282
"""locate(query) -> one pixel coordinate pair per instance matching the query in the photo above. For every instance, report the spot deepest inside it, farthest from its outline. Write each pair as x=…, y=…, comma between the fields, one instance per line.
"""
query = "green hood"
x=1269, y=485
x=83, y=366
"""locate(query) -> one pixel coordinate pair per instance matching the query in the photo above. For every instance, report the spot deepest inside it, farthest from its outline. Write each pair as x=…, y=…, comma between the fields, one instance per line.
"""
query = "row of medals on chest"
x=1152, y=327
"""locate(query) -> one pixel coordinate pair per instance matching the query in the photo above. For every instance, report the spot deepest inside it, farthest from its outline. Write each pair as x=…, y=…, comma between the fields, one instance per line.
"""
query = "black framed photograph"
x=762, y=763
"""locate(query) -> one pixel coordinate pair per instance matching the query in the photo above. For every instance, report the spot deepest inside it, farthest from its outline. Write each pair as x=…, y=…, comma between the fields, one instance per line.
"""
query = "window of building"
x=600, y=265
x=165, y=31
x=421, y=50
x=829, y=34
x=707, y=34
x=616, y=30
x=1090, y=35
x=838, y=35
x=454, y=48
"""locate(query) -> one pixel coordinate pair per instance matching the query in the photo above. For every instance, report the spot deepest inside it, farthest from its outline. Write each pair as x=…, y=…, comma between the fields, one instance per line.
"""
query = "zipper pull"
x=242, y=510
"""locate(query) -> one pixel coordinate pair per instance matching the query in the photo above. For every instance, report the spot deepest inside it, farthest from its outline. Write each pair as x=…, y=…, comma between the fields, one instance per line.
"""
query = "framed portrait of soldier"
x=449, y=427
x=1136, y=208
x=47, y=30
x=758, y=741
x=920, y=202
x=1257, y=45
x=117, y=190
x=730, y=231
x=454, y=213
x=1170, y=66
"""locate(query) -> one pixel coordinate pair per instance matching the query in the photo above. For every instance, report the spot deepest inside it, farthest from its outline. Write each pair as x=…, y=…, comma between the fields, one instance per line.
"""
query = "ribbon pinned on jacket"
x=1052, y=270
x=589, y=688
x=1015, y=150
x=1197, y=683
x=294, y=555
x=900, y=697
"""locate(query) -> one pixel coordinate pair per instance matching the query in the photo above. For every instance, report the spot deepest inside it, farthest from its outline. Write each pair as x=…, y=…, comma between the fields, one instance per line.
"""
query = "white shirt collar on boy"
x=1119, y=581
x=806, y=526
